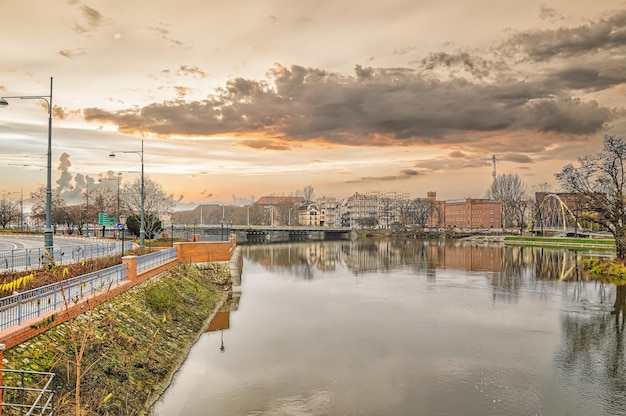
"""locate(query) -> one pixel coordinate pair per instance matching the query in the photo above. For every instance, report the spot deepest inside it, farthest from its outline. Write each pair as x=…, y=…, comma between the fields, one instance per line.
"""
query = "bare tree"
x=600, y=180
x=156, y=200
x=511, y=192
x=286, y=213
x=38, y=209
x=422, y=211
x=103, y=199
x=9, y=210
x=308, y=193
x=405, y=211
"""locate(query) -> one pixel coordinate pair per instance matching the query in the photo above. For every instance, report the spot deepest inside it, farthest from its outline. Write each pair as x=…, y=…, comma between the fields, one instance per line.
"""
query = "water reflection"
x=592, y=351
x=408, y=327
x=508, y=264
x=508, y=269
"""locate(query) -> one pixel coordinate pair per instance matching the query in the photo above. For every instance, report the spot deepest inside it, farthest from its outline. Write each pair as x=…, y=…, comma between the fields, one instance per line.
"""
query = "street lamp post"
x=48, y=242
x=142, y=228
x=172, y=225
x=123, y=223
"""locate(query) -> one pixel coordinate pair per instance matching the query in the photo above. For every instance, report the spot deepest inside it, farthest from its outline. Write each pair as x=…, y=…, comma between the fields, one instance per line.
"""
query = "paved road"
x=8, y=245
x=24, y=252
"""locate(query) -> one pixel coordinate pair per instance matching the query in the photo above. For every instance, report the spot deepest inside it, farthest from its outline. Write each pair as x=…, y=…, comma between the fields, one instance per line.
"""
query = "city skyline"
x=245, y=99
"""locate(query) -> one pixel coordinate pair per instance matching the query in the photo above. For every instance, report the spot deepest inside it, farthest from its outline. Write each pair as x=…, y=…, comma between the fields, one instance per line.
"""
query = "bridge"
x=274, y=234
x=554, y=216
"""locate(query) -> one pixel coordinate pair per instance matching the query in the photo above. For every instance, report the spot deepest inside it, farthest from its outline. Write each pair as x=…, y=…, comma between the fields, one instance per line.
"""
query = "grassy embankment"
x=132, y=344
x=605, y=244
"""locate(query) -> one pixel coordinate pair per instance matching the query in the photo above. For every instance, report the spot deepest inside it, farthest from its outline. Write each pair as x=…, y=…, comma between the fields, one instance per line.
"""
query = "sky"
x=236, y=99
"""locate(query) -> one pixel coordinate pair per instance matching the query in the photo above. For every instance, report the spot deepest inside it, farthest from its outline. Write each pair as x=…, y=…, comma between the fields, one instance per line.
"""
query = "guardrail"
x=35, y=258
x=22, y=400
x=23, y=306
x=27, y=305
x=157, y=258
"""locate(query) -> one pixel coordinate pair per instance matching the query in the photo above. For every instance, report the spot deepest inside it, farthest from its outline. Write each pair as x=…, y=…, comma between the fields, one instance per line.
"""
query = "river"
x=404, y=327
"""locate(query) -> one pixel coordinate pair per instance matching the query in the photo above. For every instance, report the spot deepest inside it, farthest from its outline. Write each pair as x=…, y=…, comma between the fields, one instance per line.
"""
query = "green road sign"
x=106, y=219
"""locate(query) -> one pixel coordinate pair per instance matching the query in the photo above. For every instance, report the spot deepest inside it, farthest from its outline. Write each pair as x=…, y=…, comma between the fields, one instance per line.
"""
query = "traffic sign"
x=106, y=219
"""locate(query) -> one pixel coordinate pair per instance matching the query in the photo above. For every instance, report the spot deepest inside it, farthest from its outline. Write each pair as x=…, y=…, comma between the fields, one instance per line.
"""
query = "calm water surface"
x=408, y=328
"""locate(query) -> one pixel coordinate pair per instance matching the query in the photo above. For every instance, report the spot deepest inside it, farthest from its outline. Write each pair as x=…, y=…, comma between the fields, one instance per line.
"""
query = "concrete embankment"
x=133, y=344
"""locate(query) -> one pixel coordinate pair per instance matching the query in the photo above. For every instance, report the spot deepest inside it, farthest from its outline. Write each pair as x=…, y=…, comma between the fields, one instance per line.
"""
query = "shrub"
x=612, y=270
x=160, y=298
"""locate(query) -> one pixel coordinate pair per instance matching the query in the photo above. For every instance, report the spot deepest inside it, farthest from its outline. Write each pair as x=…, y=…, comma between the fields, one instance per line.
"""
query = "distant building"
x=309, y=214
x=389, y=195
x=465, y=213
x=329, y=212
x=362, y=210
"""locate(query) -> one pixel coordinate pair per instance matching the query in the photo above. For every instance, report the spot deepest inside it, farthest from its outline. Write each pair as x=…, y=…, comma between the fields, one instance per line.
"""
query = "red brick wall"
x=207, y=251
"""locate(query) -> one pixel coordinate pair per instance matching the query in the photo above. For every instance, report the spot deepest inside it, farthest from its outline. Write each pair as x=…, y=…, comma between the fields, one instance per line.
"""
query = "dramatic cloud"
x=605, y=35
x=380, y=108
x=225, y=94
x=448, y=95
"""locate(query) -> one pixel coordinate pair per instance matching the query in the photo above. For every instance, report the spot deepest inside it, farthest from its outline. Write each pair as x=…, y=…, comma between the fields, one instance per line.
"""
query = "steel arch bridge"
x=553, y=214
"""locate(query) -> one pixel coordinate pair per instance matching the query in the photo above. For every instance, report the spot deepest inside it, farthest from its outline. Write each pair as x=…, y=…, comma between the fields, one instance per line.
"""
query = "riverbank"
x=129, y=347
x=604, y=244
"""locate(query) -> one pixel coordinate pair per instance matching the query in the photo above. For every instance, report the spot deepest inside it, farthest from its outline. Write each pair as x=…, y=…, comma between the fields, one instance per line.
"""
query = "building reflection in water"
x=507, y=264
x=221, y=320
x=507, y=269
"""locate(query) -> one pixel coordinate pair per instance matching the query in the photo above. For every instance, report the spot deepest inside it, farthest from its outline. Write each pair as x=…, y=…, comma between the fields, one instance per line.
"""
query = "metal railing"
x=30, y=304
x=35, y=258
x=157, y=258
x=17, y=399
x=23, y=306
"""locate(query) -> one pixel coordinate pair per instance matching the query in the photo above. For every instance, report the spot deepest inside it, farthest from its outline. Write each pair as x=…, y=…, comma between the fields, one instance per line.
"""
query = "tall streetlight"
x=142, y=229
x=48, y=243
x=123, y=223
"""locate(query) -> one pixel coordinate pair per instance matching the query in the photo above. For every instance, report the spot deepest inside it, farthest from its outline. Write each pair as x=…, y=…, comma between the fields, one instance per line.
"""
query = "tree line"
x=96, y=200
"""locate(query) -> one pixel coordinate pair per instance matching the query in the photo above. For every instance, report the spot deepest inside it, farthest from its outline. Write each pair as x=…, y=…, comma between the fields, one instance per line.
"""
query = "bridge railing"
x=157, y=258
x=23, y=306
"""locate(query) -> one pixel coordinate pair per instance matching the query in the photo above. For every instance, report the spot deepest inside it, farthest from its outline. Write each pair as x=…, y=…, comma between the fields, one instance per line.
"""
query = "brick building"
x=466, y=213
